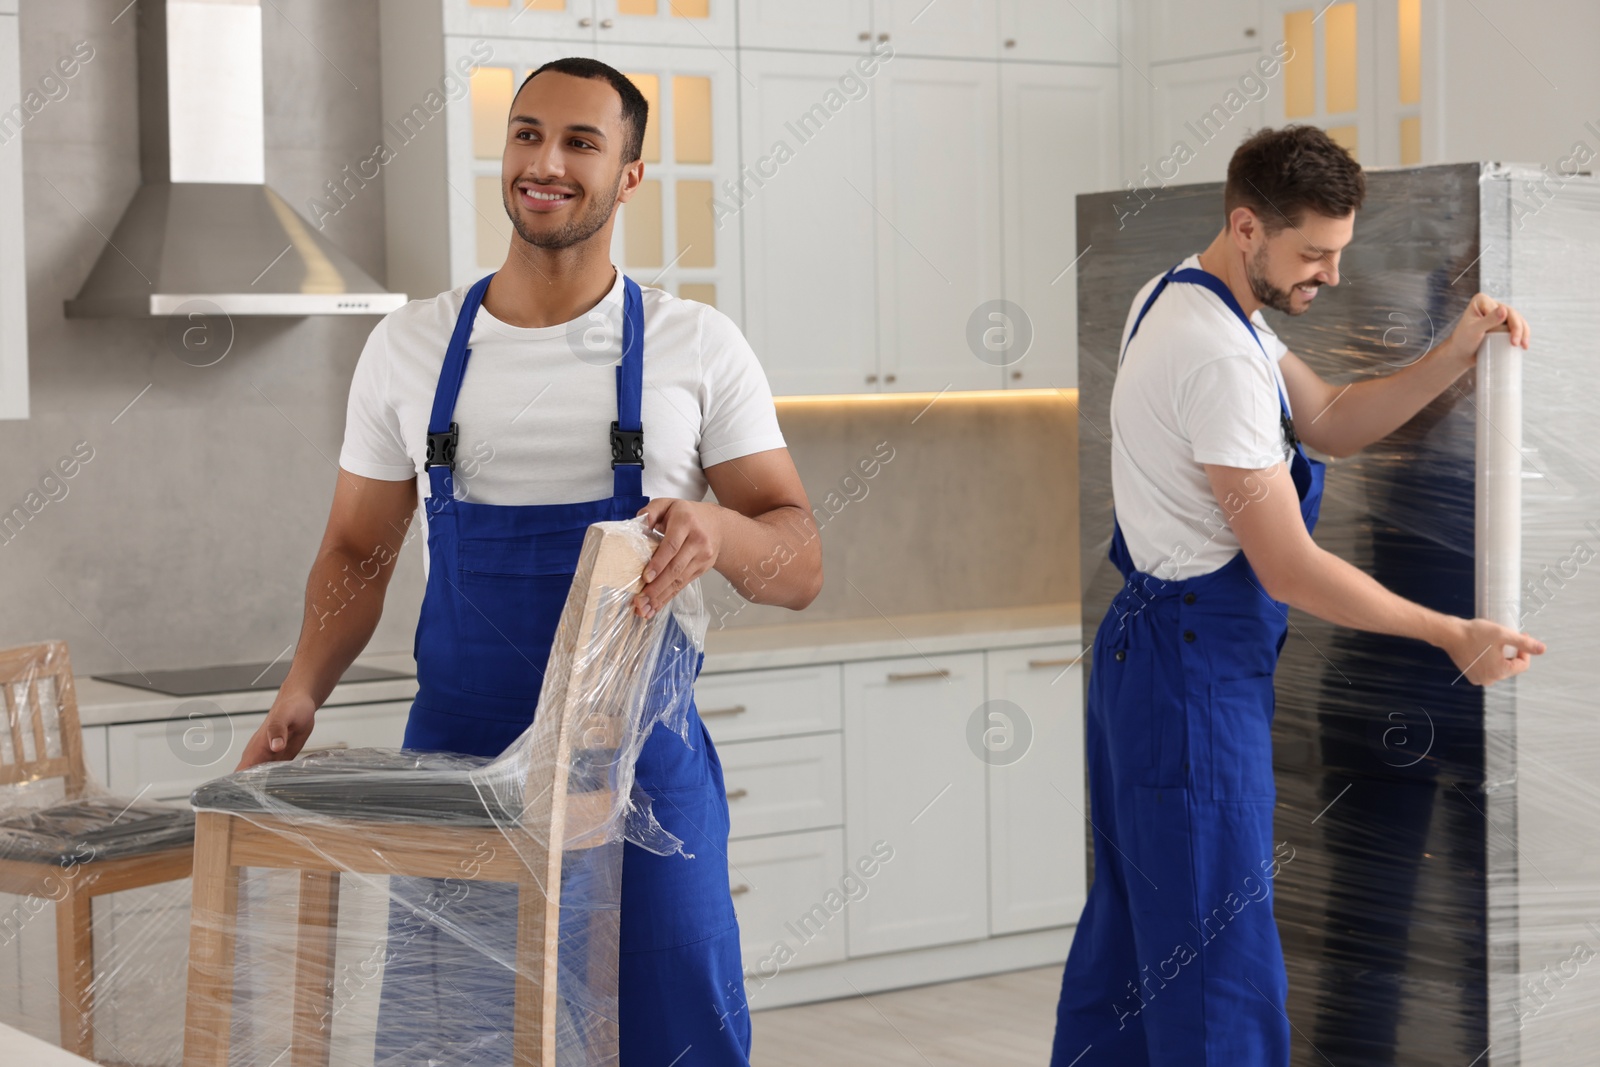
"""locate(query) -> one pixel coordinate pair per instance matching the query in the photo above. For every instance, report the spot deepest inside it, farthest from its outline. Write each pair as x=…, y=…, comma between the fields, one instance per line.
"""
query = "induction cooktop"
x=233, y=677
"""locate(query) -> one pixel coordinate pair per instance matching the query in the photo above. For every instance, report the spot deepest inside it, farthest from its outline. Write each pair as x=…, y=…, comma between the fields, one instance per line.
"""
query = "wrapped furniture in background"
x=1442, y=902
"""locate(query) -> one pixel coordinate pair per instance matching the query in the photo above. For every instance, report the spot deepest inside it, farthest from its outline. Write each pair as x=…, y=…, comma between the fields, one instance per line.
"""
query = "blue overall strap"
x=627, y=433
x=443, y=434
x=1206, y=280
x=1150, y=302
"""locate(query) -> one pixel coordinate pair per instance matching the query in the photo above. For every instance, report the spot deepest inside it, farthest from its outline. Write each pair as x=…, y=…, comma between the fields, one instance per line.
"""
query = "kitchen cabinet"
x=1037, y=809
x=1193, y=104
x=692, y=23
x=778, y=702
x=783, y=785
x=1182, y=29
x=810, y=227
x=13, y=262
x=1084, y=31
x=1042, y=177
x=913, y=786
x=781, y=888
x=965, y=29
x=817, y=25
x=937, y=155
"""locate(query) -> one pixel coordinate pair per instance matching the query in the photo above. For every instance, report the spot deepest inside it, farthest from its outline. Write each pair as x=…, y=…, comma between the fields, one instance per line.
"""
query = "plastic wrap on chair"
x=384, y=908
x=1438, y=895
x=94, y=889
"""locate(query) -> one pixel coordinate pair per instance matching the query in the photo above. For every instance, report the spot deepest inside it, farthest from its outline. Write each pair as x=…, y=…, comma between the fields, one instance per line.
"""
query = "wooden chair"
x=81, y=846
x=322, y=824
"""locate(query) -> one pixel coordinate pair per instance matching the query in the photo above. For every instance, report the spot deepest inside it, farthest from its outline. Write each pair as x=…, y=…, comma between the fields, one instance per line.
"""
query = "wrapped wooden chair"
x=60, y=838
x=562, y=787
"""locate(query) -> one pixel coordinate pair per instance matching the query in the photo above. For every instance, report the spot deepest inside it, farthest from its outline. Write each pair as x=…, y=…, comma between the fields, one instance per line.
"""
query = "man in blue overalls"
x=528, y=405
x=1176, y=959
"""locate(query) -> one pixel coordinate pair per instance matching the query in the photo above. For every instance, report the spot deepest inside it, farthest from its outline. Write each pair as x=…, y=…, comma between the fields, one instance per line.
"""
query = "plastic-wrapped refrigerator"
x=1442, y=902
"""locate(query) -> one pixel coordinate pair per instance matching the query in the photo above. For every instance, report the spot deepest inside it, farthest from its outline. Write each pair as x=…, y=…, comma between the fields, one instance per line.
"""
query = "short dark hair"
x=635, y=108
x=1280, y=174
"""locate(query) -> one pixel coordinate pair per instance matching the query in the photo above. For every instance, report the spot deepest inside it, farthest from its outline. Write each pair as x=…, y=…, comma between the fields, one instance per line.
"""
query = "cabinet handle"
x=738, y=794
x=871, y=378
x=1016, y=375
x=740, y=890
x=1250, y=31
x=864, y=35
x=1040, y=664
x=1011, y=42
x=606, y=24
x=586, y=22
x=888, y=377
x=883, y=36
x=737, y=709
x=914, y=676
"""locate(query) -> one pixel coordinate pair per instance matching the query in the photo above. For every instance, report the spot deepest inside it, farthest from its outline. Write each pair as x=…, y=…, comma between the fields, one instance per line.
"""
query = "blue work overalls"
x=1176, y=959
x=497, y=582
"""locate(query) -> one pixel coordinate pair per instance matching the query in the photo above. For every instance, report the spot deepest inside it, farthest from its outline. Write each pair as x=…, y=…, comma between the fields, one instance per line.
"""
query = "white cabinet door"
x=816, y=25
x=543, y=20
x=914, y=786
x=938, y=221
x=13, y=264
x=1084, y=31
x=1034, y=740
x=173, y=756
x=1183, y=29
x=1200, y=111
x=684, y=23
x=791, y=896
x=966, y=29
x=1061, y=138
x=804, y=198
x=667, y=235
x=783, y=785
x=778, y=702
x=94, y=753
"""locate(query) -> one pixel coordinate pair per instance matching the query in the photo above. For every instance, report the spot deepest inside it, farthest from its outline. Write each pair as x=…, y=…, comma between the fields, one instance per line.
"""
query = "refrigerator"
x=1442, y=905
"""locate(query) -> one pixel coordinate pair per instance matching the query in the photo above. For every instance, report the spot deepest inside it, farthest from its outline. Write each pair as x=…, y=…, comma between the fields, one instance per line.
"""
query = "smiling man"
x=553, y=394
x=1176, y=960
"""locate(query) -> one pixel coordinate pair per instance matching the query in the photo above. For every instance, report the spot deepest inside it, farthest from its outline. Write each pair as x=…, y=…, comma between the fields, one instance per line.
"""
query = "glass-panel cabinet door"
x=547, y=20
x=1329, y=75
x=696, y=23
x=674, y=234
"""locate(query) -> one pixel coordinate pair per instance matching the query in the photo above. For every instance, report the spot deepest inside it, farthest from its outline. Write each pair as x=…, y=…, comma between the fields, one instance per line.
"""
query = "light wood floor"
x=1004, y=1020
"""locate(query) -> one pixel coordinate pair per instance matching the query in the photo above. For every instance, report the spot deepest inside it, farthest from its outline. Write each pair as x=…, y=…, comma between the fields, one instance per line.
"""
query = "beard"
x=575, y=231
x=1269, y=294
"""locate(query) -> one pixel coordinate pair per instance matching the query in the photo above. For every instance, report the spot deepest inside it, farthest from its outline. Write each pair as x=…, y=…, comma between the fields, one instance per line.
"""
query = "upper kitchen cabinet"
x=1199, y=111
x=816, y=25
x=697, y=23
x=809, y=223
x=13, y=263
x=674, y=233
x=1084, y=31
x=1043, y=174
x=1183, y=29
x=937, y=146
x=964, y=29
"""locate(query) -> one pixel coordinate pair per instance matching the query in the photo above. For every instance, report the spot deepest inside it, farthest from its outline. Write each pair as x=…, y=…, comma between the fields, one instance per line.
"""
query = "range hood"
x=204, y=232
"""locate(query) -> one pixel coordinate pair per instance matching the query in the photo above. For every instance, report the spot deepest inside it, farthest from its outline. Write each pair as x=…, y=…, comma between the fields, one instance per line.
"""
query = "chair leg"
x=533, y=1031
x=75, y=969
x=315, y=945
x=211, y=940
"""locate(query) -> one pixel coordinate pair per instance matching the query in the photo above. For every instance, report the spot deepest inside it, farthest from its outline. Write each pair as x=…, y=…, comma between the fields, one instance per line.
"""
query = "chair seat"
x=376, y=784
x=94, y=828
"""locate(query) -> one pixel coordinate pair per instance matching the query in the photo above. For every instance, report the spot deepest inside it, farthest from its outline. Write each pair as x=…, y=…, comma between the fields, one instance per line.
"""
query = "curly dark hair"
x=1281, y=174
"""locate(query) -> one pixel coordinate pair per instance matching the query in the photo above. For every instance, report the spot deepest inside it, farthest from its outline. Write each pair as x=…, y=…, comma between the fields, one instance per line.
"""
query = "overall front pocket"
x=1240, y=727
x=508, y=604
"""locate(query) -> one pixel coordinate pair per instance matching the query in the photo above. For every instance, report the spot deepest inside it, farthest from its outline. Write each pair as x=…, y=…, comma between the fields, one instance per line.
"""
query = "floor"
x=1004, y=1020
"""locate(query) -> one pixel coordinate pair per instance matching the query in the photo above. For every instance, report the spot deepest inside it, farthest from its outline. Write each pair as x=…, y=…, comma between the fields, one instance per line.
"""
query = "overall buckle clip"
x=442, y=448
x=627, y=446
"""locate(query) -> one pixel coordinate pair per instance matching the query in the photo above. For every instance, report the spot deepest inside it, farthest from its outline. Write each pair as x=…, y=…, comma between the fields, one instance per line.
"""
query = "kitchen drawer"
x=743, y=705
x=776, y=787
x=791, y=898
x=173, y=756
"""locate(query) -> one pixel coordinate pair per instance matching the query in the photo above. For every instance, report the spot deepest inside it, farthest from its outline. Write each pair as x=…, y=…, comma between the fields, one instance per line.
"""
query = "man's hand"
x=1477, y=647
x=1483, y=315
x=691, y=542
x=285, y=732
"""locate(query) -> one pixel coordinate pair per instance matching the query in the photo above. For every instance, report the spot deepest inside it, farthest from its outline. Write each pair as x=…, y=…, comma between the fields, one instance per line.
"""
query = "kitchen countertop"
x=729, y=649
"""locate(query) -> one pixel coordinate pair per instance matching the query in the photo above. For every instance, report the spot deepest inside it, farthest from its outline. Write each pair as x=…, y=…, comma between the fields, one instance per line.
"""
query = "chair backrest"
x=41, y=737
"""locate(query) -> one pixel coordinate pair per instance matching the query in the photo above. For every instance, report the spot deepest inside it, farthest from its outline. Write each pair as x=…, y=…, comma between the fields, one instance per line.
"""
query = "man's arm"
x=344, y=600
x=1294, y=570
x=1342, y=420
x=759, y=535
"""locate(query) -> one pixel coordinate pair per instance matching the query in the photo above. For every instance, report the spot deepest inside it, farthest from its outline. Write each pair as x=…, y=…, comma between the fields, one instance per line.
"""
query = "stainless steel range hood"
x=204, y=232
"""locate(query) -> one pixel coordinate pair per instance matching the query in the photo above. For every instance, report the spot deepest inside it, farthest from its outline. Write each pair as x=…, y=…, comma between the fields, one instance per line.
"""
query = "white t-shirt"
x=1193, y=388
x=536, y=404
